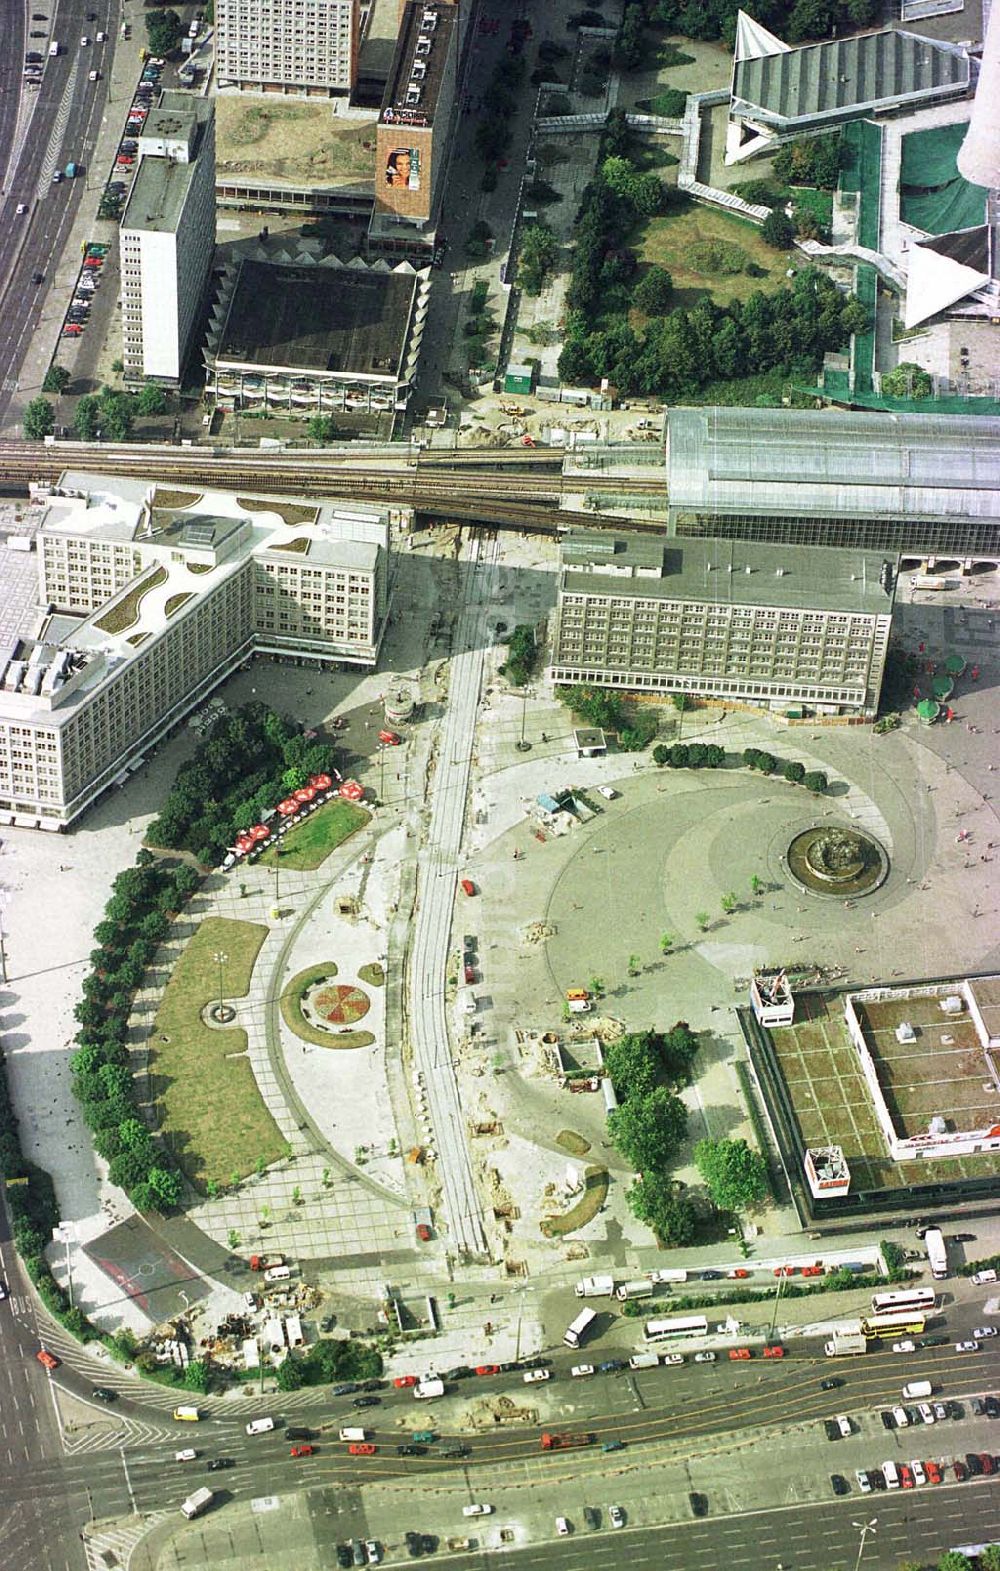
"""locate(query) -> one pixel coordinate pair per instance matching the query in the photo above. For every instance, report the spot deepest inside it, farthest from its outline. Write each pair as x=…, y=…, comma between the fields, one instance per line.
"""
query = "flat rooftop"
x=848, y=73
x=942, y=1073
x=726, y=572
x=833, y=464
x=318, y=318
x=418, y=65
x=832, y=1106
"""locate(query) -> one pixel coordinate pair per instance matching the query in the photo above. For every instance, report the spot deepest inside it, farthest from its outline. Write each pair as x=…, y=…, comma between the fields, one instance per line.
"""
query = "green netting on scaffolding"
x=932, y=194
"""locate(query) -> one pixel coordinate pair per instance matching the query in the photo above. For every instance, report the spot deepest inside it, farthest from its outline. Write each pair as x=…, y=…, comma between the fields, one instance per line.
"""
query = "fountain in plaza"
x=837, y=861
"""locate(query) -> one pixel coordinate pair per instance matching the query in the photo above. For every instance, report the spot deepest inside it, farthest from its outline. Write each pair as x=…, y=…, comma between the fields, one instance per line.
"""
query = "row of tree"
x=135, y=922
x=111, y=413
x=521, y=654
x=247, y=763
x=709, y=755
x=649, y=1124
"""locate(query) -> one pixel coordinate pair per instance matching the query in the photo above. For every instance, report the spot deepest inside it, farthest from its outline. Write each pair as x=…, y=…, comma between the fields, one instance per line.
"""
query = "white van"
x=644, y=1361
x=353, y=1433
x=891, y=1475
x=983, y=1276
x=608, y=792
x=260, y=1426
x=917, y=1390
x=425, y=1389
x=277, y=1274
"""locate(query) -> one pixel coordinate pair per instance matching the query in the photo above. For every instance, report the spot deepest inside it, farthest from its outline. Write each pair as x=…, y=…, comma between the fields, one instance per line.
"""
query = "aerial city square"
x=499, y=770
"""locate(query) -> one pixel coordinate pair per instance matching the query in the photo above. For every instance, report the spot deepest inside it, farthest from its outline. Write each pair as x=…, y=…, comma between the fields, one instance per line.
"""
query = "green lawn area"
x=290, y=1004
x=212, y=1115
x=308, y=845
x=691, y=244
x=595, y=1192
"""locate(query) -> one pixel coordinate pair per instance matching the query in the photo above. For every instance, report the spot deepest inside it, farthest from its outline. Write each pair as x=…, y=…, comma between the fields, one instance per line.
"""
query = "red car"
x=739, y=1352
x=50, y=1361
x=362, y=1450
x=402, y=1381
x=469, y=973
x=71, y=330
x=423, y=1232
x=933, y=1472
x=816, y=1270
x=989, y=1466
x=905, y=1476
x=738, y=1274
x=389, y=738
x=487, y=1369
x=785, y=1270
x=961, y=1472
x=777, y=1351
x=302, y=1451
x=468, y=887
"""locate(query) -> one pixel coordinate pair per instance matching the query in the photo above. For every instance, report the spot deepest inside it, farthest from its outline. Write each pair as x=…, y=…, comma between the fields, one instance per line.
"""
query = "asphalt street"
x=41, y=130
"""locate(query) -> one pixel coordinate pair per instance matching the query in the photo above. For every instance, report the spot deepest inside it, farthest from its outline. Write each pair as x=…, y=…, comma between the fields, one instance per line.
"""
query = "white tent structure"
x=938, y=279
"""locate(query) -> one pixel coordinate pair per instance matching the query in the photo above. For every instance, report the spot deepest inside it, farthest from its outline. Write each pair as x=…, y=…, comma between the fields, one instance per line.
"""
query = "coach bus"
x=905, y=1322
x=672, y=1330
x=920, y=1298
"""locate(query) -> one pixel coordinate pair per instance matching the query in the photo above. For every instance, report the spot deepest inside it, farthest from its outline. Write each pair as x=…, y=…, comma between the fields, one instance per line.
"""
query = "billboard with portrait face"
x=402, y=169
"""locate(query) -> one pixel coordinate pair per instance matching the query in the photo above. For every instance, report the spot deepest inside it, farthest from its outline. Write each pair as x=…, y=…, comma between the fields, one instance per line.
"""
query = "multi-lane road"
x=42, y=130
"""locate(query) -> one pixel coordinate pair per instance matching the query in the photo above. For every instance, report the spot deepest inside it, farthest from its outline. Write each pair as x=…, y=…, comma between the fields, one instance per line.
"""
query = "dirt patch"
x=293, y=142
x=595, y=1193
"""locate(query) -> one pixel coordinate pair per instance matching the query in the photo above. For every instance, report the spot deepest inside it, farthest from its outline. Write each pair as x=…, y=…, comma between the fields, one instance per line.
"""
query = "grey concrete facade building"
x=150, y=599
x=783, y=628
x=168, y=238
x=301, y=47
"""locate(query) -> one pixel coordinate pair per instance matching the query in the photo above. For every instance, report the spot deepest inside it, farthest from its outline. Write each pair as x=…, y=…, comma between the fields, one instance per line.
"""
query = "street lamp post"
x=523, y=746
x=220, y=959
x=864, y=1528
x=774, y=1315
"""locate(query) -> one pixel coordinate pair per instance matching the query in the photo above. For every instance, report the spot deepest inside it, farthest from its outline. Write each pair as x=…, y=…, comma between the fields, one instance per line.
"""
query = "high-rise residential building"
x=154, y=597
x=784, y=628
x=168, y=238
x=411, y=141
x=298, y=47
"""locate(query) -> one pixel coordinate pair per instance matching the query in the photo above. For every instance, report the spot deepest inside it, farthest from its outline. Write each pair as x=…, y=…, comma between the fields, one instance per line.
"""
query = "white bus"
x=576, y=1333
x=937, y=1255
x=922, y=1298
x=670, y=1330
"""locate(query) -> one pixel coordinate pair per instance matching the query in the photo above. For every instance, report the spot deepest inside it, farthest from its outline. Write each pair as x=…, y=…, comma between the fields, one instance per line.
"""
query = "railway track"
x=520, y=491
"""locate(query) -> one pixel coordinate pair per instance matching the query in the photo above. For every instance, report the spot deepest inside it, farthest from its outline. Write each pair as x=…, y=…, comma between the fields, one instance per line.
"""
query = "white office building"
x=168, y=238
x=152, y=598
x=299, y=47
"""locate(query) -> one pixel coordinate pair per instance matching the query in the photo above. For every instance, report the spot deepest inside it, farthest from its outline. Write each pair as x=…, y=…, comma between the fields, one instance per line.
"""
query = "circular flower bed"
x=337, y=1005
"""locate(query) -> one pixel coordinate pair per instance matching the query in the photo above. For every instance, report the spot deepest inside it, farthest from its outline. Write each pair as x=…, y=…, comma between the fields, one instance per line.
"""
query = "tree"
x=704, y=920
x=196, y=1376
x=677, y=1051
x=163, y=30
x=632, y=1062
x=729, y=902
x=735, y=1176
x=777, y=230
x=952, y=1560
x=290, y=1376
x=989, y=1560
x=39, y=420
x=648, y=1130
x=661, y=755
x=666, y=943
x=152, y=400
x=166, y=1188
x=116, y=414
x=815, y=781
x=322, y=428
x=536, y=257
x=86, y=418
x=56, y=379
x=908, y=380
x=794, y=772
x=679, y=755
x=672, y=1216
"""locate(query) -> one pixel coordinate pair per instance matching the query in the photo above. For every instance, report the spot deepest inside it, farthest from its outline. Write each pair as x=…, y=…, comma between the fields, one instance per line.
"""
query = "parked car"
x=864, y=1482
x=832, y=1384
x=104, y=1394
x=967, y=1347
x=48, y=1360
x=840, y=1484
x=984, y=1332
x=707, y=1357
x=616, y=1516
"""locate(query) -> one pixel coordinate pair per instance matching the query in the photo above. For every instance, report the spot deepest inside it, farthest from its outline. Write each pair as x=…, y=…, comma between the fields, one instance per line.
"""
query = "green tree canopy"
x=537, y=255
x=648, y=1130
x=777, y=230
x=735, y=1176
x=56, y=379
x=672, y=1215
x=151, y=400
x=163, y=30
x=654, y=291
x=39, y=420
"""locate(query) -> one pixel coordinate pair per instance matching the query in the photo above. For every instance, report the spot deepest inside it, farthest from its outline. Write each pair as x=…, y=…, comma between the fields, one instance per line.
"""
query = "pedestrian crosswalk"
x=128, y=1432
x=111, y=1546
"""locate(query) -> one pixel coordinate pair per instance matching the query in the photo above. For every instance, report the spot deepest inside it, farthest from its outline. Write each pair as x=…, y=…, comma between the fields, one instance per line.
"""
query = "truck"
x=640, y=1288
x=937, y=1255
x=668, y=1274
x=979, y=1277
x=265, y=1262
x=577, y=1000
x=71, y=171
x=425, y=1389
x=595, y=1287
x=843, y=1343
x=459, y=1543
x=53, y=49
x=200, y=1501
x=576, y=1334
x=565, y=1442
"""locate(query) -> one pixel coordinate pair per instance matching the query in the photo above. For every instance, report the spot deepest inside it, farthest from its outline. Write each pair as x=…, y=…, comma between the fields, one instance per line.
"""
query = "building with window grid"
x=152, y=597
x=924, y=485
x=301, y=47
x=785, y=628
